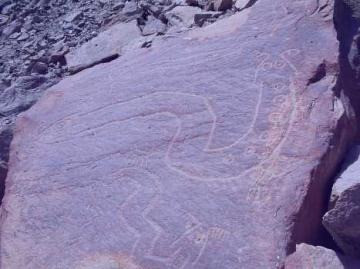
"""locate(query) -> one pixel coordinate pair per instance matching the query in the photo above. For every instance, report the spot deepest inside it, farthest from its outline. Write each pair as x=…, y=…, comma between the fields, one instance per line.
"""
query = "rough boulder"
x=210, y=150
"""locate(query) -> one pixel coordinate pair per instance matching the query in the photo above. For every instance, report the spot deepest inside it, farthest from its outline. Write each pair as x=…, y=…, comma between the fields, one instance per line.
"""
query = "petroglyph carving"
x=188, y=110
x=279, y=64
x=286, y=57
x=278, y=87
x=277, y=118
x=217, y=233
x=136, y=207
x=200, y=237
x=259, y=193
x=175, y=152
x=280, y=99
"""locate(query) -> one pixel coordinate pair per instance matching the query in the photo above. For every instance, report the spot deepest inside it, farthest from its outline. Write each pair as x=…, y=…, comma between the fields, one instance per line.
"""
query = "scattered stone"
x=182, y=17
x=153, y=26
x=4, y=3
x=3, y=19
x=192, y=2
x=241, y=4
x=30, y=82
x=40, y=68
x=199, y=3
x=15, y=35
x=23, y=36
x=3, y=86
x=103, y=2
x=107, y=45
x=154, y=10
x=118, y=6
x=74, y=16
x=222, y=5
x=42, y=44
x=58, y=57
x=6, y=10
x=131, y=8
x=13, y=27
x=343, y=218
x=311, y=257
x=146, y=44
x=203, y=17
x=21, y=95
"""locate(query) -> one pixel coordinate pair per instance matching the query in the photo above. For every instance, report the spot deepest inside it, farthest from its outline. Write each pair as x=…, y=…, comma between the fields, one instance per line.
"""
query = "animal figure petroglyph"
x=192, y=153
x=209, y=161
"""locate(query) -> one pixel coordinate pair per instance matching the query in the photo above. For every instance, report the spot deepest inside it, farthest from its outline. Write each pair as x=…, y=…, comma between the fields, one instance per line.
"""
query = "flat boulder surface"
x=196, y=153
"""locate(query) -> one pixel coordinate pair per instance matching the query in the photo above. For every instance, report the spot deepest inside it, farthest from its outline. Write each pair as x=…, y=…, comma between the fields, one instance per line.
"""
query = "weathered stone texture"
x=343, y=218
x=316, y=257
x=196, y=153
x=106, y=45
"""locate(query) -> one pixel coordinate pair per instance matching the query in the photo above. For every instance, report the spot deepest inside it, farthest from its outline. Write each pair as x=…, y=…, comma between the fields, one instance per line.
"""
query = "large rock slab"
x=182, y=17
x=343, y=218
x=205, y=151
x=106, y=46
x=315, y=257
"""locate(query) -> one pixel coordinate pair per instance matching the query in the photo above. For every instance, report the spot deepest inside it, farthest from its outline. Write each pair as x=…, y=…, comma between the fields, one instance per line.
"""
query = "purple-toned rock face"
x=311, y=257
x=343, y=218
x=197, y=153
